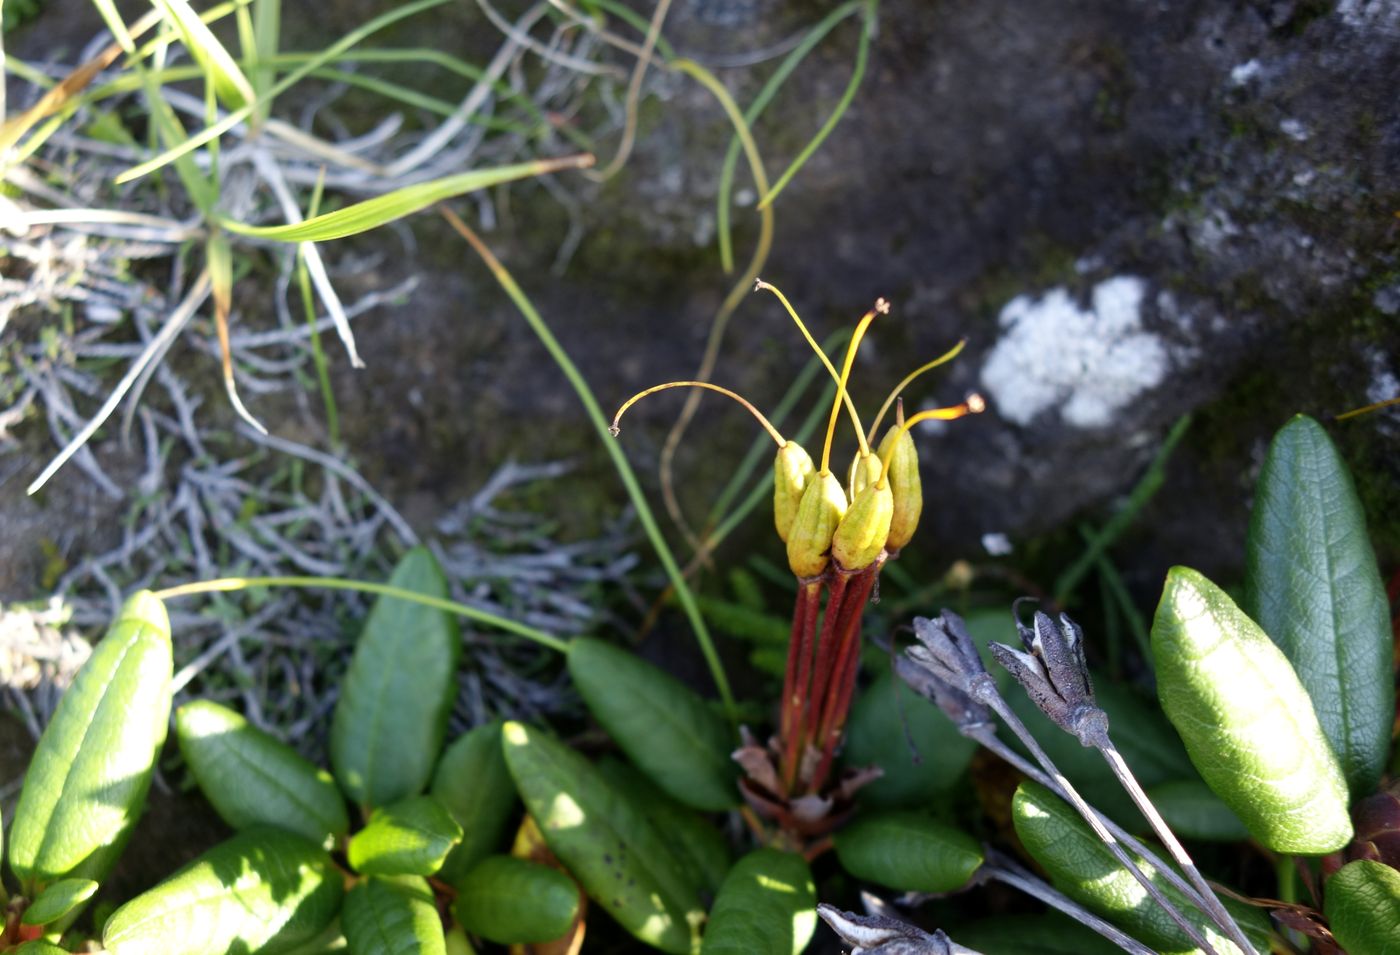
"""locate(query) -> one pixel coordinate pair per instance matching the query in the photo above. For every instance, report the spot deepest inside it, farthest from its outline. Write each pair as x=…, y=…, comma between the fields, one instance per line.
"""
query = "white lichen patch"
x=1088, y=363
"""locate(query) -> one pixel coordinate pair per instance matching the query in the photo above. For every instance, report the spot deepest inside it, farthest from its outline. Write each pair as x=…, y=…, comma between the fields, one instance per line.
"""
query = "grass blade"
x=372, y=213
x=755, y=110
x=624, y=469
x=862, y=57
x=281, y=86
x=228, y=80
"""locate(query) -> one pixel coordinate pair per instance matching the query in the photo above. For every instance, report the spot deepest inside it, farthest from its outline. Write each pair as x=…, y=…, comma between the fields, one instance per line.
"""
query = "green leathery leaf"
x=252, y=779
x=1047, y=934
x=1083, y=868
x=411, y=837
x=57, y=900
x=515, y=901
x=699, y=847
x=39, y=947
x=1192, y=811
x=265, y=890
x=875, y=734
x=1314, y=586
x=458, y=943
x=87, y=782
x=1363, y=908
x=1247, y=722
x=908, y=852
x=766, y=906
x=392, y=714
x=473, y=783
x=666, y=729
x=623, y=863
x=392, y=916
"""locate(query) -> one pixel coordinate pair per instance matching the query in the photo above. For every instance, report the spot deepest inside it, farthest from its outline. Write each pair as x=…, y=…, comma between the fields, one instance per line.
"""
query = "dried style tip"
x=903, y=477
x=792, y=472
x=861, y=535
x=819, y=512
x=881, y=935
x=947, y=669
x=1053, y=670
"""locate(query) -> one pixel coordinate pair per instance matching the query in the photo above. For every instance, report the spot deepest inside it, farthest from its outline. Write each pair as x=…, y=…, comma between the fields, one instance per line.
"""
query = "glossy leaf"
x=1363, y=908
x=668, y=731
x=473, y=784
x=1192, y=811
x=766, y=906
x=1048, y=934
x=392, y=916
x=265, y=890
x=458, y=943
x=392, y=713
x=57, y=900
x=39, y=947
x=699, y=847
x=908, y=852
x=624, y=864
x=87, y=782
x=876, y=734
x=1314, y=587
x=411, y=837
x=1247, y=722
x=1083, y=868
x=514, y=901
x=252, y=779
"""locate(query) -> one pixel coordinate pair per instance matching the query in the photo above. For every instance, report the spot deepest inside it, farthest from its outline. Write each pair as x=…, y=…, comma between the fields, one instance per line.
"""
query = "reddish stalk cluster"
x=838, y=539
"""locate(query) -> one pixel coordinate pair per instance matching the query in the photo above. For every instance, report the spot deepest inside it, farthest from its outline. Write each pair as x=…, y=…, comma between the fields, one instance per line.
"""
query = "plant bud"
x=862, y=532
x=865, y=470
x=820, y=511
x=904, y=483
x=792, y=471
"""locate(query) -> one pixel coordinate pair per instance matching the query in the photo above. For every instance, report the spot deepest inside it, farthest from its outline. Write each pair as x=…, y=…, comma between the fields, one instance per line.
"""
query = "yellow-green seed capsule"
x=904, y=483
x=792, y=471
x=809, y=540
x=865, y=470
x=862, y=533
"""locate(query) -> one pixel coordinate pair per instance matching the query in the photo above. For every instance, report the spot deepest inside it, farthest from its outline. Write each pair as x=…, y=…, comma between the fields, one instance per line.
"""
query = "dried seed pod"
x=820, y=511
x=861, y=535
x=903, y=477
x=792, y=472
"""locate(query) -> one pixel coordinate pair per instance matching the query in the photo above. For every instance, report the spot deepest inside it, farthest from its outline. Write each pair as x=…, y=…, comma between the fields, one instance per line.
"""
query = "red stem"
x=809, y=682
x=804, y=621
x=837, y=703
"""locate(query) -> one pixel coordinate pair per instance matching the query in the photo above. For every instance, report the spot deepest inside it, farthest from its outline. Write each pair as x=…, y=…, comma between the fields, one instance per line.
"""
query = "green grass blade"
x=862, y=57
x=1150, y=483
x=230, y=84
x=601, y=424
x=372, y=213
x=281, y=86
x=227, y=584
x=755, y=110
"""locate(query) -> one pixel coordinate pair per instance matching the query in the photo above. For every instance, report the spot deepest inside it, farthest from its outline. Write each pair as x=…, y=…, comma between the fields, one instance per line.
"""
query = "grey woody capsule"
x=1055, y=673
